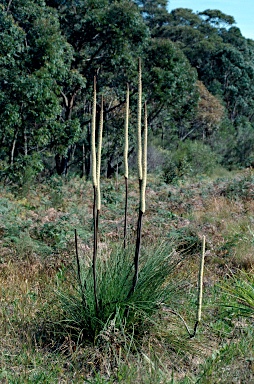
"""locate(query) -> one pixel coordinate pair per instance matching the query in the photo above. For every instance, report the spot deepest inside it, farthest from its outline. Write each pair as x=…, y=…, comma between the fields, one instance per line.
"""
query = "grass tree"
x=112, y=293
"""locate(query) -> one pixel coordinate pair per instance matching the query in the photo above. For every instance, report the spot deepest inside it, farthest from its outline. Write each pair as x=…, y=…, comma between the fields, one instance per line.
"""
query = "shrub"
x=234, y=144
x=240, y=187
x=24, y=171
x=190, y=159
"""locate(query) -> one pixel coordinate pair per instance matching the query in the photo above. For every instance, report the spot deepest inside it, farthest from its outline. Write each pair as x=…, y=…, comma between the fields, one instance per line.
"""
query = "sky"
x=242, y=11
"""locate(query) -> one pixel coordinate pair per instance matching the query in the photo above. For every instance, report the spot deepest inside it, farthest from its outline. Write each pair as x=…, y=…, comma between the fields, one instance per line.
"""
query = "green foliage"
x=29, y=97
x=24, y=171
x=126, y=313
x=17, y=232
x=188, y=160
x=52, y=231
x=55, y=234
x=52, y=49
x=240, y=188
x=237, y=94
x=217, y=18
x=153, y=11
x=234, y=145
x=42, y=331
x=240, y=295
x=222, y=56
x=169, y=84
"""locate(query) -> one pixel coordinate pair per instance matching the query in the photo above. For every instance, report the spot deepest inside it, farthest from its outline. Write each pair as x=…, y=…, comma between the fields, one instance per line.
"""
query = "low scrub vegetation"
x=50, y=329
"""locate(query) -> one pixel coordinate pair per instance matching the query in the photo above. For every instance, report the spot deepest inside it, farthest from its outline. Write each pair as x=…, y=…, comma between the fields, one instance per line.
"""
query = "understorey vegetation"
x=51, y=330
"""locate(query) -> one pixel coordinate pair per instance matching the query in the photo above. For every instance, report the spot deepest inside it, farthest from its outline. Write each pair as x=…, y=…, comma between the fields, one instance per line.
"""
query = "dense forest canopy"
x=198, y=81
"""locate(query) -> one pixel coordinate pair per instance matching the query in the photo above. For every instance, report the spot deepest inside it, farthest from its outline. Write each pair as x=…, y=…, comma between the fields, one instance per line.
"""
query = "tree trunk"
x=62, y=164
x=13, y=148
x=83, y=161
x=25, y=142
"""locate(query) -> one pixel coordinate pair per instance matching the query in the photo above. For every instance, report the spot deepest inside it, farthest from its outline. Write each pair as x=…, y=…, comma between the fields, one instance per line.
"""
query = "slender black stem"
x=195, y=330
x=138, y=245
x=95, y=238
x=82, y=286
x=137, y=253
x=97, y=226
x=125, y=213
x=77, y=257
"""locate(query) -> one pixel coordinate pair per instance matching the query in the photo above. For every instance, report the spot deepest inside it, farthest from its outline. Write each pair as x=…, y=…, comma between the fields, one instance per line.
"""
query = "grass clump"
x=129, y=313
x=240, y=294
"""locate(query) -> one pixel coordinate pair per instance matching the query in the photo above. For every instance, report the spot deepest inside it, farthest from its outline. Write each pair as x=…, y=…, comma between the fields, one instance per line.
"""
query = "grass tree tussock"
x=109, y=290
x=130, y=314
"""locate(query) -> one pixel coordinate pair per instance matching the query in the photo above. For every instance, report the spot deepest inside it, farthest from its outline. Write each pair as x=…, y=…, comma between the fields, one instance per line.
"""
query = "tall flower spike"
x=126, y=142
x=93, y=148
x=144, y=165
x=126, y=168
x=139, y=140
x=200, y=281
x=99, y=157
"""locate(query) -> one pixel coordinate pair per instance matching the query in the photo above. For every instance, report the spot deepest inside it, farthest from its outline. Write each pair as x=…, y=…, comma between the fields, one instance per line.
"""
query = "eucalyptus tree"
x=52, y=51
x=107, y=37
x=222, y=56
x=170, y=85
x=34, y=57
x=154, y=13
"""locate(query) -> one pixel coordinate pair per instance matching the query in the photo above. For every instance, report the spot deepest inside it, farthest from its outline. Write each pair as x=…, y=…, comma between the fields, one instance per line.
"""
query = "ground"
x=37, y=256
